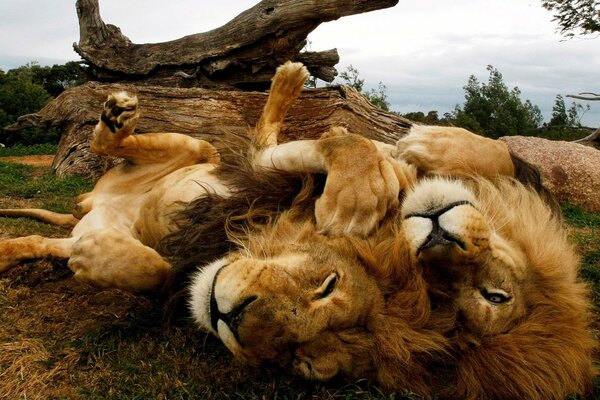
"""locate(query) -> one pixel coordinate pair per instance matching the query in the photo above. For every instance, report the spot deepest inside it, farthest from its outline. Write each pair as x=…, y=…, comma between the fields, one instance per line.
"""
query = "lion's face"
x=464, y=257
x=299, y=308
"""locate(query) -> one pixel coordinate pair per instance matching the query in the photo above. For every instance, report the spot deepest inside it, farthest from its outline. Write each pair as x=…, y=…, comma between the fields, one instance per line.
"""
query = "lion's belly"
x=171, y=194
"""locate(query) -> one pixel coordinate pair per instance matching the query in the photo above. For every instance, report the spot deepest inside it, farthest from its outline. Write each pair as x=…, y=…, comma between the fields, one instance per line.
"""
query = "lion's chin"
x=200, y=291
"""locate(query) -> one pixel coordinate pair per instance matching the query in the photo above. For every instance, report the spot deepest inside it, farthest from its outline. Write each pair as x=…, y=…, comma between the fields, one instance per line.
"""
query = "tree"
x=569, y=118
x=19, y=95
x=59, y=77
x=22, y=92
x=493, y=110
x=242, y=53
x=431, y=118
x=377, y=97
x=351, y=78
x=559, y=112
x=575, y=16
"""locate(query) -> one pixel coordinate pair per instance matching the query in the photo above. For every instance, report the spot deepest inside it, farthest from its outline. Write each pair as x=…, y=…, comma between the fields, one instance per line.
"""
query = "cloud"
x=423, y=50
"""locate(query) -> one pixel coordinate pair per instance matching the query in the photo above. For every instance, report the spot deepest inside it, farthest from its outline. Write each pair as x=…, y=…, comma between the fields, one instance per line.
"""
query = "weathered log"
x=202, y=113
x=591, y=140
x=244, y=52
x=569, y=169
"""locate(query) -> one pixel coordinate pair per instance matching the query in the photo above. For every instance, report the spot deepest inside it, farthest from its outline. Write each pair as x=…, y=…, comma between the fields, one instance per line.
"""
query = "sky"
x=423, y=50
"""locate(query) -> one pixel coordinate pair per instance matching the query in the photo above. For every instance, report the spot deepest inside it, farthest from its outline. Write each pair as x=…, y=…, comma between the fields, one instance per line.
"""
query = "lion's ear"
x=332, y=353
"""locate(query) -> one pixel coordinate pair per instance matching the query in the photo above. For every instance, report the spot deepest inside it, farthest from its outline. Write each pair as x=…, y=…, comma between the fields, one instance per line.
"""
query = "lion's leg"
x=13, y=251
x=111, y=259
x=363, y=181
x=286, y=87
x=453, y=151
x=113, y=135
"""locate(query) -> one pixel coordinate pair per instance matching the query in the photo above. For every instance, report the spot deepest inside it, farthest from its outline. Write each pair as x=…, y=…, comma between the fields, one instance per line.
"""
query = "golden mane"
x=416, y=338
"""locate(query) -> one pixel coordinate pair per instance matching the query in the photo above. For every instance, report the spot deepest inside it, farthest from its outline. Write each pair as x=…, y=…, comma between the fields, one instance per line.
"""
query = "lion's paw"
x=120, y=112
x=289, y=79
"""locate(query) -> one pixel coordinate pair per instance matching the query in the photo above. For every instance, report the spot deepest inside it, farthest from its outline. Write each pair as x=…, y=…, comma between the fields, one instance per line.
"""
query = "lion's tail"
x=46, y=216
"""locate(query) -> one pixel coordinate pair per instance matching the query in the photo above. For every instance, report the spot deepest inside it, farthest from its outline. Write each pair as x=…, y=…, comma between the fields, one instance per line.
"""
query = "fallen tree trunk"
x=243, y=53
x=202, y=113
x=571, y=171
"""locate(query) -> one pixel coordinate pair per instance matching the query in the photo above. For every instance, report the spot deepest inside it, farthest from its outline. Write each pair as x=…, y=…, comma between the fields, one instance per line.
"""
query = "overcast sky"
x=422, y=50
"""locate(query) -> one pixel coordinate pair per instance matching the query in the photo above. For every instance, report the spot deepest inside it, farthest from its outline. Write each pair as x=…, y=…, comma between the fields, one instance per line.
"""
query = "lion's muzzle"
x=438, y=236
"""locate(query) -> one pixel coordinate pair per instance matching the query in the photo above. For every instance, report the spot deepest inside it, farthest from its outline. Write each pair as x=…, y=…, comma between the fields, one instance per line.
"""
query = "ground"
x=43, y=160
x=61, y=339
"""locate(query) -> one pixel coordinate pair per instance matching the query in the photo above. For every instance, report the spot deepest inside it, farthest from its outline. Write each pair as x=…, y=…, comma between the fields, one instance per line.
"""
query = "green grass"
x=586, y=234
x=40, y=186
x=36, y=149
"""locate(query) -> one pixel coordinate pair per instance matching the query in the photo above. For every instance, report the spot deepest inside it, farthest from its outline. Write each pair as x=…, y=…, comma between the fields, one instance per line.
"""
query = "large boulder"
x=570, y=170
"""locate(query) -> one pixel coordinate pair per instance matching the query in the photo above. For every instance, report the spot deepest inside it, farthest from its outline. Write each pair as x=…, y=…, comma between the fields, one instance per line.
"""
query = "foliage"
x=569, y=118
x=19, y=95
x=575, y=16
x=350, y=78
x=29, y=88
x=54, y=79
x=493, y=110
x=377, y=97
x=431, y=118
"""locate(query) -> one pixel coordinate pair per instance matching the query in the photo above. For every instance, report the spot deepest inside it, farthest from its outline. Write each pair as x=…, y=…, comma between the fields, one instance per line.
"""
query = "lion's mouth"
x=201, y=290
x=232, y=318
x=438, y=236
x=213, y=307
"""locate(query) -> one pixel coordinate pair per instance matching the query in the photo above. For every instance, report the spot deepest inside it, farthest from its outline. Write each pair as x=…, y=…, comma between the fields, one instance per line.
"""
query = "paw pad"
x=119, y=109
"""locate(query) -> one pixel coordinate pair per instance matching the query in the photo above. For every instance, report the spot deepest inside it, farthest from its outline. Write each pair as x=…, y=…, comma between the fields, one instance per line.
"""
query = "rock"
x=570, y=170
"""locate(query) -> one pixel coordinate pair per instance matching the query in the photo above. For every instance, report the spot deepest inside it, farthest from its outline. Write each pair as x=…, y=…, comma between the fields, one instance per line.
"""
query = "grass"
x=59, y=339
x=36, y=149
x=39, y=186
x=585, y=232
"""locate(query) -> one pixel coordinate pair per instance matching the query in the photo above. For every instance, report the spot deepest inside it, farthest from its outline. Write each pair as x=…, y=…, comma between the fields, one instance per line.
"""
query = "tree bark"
x=243, y=53
x=202, y=113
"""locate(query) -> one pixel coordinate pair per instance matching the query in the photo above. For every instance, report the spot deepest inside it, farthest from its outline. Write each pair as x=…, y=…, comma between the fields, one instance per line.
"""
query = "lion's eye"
x=496, y=297
x=328, y=286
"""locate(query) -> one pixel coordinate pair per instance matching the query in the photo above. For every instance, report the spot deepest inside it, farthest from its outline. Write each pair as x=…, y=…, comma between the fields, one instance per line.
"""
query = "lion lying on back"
x=463, y=289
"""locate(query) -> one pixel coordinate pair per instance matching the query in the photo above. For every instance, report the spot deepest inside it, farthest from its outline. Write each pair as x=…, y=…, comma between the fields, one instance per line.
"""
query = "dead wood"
x=243, y=53
x=591, y=140
x=202, y=113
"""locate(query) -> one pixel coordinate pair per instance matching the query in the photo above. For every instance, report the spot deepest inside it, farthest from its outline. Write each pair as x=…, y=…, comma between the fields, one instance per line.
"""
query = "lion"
x=391, y=269
x=466, y=289
x=469, y=291
x=119, y=225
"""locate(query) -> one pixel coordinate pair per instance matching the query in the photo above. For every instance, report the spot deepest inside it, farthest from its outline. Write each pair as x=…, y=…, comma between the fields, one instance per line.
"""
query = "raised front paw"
x=120, y=112
x=362, y=186
x=289, y=78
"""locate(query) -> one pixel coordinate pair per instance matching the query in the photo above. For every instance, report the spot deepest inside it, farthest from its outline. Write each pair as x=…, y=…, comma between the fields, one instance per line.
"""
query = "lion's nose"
x=234, y=317
x=439, y=237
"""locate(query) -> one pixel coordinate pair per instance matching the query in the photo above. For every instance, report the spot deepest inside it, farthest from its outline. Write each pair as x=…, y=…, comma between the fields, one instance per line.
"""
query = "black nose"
x=438, y=236
x=233, y=319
